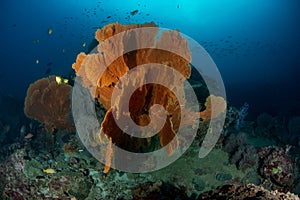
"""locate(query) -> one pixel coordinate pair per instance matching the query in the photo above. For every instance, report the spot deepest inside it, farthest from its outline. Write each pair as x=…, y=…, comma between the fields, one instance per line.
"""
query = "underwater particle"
x=49, y=171
x=134, y=12
x=63, y=50
x=84, y=44
x=50, y=31
x=37, y=61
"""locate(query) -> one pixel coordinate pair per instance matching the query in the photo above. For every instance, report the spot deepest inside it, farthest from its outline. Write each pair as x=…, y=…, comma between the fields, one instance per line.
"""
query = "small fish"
x=84, y=44
x=59, y=80
x=28, y=136
x=177, y=5
x=35, y=41
x=49, y=63
x=48, y=71
x=50, y=31
x=37, y=61
x=134, y=12
x=49, y=171
x=108, y=17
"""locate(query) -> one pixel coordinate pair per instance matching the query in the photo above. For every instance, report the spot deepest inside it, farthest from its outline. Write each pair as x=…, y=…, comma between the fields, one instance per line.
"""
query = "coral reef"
x=78, y=175
x=277, y=168
x=49, y=103
x=242, y=114
x=264, y=124
x=294, y=125
x=22, y=177
x=4, y=129
x=240, y=152
x=293, y=128
x=158, y=190
x=14, y=184
x=243, y=192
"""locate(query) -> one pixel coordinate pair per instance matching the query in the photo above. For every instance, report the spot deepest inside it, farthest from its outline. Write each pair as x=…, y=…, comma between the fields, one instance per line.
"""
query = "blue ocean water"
x=255, y=44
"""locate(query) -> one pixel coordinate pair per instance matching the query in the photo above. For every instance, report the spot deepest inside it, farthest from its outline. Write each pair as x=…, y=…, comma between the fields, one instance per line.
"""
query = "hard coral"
x=243, y=192
x=49, y=102
x=277, y=168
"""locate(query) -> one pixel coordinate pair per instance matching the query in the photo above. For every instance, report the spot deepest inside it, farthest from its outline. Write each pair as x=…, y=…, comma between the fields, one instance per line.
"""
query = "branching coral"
x=49, y=102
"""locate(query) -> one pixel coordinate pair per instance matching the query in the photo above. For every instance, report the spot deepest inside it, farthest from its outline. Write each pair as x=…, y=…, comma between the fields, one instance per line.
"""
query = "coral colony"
x=242, y=114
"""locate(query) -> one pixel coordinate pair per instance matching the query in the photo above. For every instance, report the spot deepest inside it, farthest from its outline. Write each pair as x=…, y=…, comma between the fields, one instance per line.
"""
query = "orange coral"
x=108, y=157
x=213, y=112
x=49, y=102
x=88, y=66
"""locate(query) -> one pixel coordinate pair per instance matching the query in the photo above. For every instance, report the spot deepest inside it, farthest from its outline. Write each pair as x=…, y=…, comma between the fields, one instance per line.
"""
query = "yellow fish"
x=49, y=171
x=59, y=80
x=50, y=31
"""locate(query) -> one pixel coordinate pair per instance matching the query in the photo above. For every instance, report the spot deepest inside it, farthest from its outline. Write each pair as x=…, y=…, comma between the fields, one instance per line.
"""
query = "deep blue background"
x=255, y=44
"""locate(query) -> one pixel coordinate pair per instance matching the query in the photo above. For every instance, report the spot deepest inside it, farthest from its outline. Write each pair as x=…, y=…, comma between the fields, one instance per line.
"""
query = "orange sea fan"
x=88, y=67
x=49, y=103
